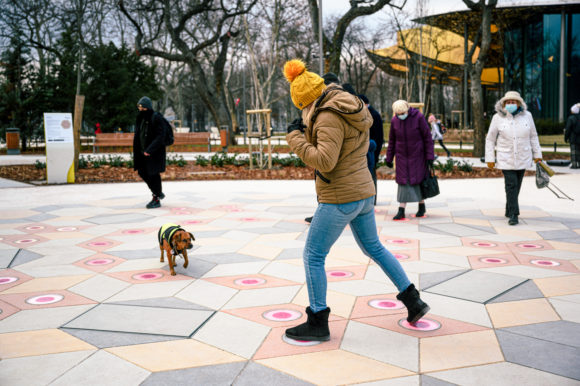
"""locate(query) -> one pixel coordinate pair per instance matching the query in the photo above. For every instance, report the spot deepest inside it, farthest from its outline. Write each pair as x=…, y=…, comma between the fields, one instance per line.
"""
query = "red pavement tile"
x=492, y=261
x=547, y=263
x=279, y=315
x=375, y=305
x=250, y=281
x=356, y=272
x=10, y=278
x=99, y=244
x=45, y=299
x=146, y=276
x=7, y=309
x=99, y=262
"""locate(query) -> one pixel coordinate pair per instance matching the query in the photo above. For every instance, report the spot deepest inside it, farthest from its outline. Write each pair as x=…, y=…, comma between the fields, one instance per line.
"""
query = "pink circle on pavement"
x=99, y=243
x=147, y=276
x=421, y=325
x=45, y=299
x=99, y=261
x=398, y=241
x=530, y=246
x=493, y=260
x=66, y=229
x=483, y=245
x=300, y=342
x=400, y=256
x=282, y=315
x=132, y=231
x=250, y=281
x=34, y=228
x=192, y=222
x=8, y=279
x=249, y=219
x=386, y=304
x=339, y=274
x=545, y=263
x=25, y=241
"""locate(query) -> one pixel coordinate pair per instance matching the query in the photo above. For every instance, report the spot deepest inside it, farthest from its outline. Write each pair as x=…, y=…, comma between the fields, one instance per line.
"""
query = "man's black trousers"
x=513, y=183
x=153, y=181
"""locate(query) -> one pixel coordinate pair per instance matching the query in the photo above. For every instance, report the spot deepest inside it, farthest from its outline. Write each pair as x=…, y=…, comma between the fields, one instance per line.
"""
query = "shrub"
x=549, y=127
x=176, y=159
x=201, y=161
x=39, y=165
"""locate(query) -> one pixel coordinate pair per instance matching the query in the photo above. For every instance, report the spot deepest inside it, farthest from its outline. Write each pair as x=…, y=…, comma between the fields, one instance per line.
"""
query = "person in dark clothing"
x=376, y=135
x=572, y=135
x=149, y=149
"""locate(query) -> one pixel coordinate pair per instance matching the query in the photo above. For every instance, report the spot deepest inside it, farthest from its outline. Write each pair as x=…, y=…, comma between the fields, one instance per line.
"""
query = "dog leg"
x=171, y=259
x=161, y=259
x=186, y=260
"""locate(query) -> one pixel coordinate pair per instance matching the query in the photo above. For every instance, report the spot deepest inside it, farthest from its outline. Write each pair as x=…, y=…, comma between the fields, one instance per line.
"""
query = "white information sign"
x=60, y=148
x=58, y=127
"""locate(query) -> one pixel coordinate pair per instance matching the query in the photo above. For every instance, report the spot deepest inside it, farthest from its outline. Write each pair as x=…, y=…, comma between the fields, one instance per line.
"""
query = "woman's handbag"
x=430, y=186
x=543, y=174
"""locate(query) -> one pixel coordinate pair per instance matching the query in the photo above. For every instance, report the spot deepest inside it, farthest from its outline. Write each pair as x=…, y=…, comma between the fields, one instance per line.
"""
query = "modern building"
x=535, y=50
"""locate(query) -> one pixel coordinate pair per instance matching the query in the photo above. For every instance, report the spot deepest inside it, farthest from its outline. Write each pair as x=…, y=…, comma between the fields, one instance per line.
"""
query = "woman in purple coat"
x=411, y=143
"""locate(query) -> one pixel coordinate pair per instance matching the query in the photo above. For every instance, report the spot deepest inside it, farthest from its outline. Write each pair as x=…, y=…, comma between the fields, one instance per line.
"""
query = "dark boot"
x=513, y=220
x=400, y=214
x=315, y=328
x=421, y=211
x=309, y=219
x=154, y=203
x=415, y=306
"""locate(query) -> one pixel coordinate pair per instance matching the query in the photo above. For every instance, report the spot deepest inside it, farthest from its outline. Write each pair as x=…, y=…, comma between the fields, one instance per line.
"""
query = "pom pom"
x=293, y=68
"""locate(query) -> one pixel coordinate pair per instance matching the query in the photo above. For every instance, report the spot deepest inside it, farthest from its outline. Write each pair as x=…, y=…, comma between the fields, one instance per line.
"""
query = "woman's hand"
x=491, y=165
x=536, y=160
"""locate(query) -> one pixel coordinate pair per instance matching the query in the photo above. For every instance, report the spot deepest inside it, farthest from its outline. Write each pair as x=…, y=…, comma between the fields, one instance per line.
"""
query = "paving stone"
x=137, y=253
x=431, y=279
x=540, y=354
x=430, y=381
x=561, y=332
x=167, y=302
x=557, y=235
x=526, y=290
x=227, y=258
x=290, y=253
x=466, y=213
x=140, y=319
x=105, y=339
x=433, y=230
x=254, y=373
x=206, y=375
x=476, y=286
x=6, y=257
x=119, y=218
x=24, y=256
x=40, y=217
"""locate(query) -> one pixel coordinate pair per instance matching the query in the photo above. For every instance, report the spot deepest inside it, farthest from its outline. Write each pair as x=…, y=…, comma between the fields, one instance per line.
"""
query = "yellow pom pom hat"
x=305, y=86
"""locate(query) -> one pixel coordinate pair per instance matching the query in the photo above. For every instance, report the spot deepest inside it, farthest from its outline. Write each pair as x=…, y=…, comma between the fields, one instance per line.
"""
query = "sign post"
x=60, y=149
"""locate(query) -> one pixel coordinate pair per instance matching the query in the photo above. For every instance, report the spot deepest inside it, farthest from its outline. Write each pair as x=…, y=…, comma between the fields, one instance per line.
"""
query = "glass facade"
x=532, y=63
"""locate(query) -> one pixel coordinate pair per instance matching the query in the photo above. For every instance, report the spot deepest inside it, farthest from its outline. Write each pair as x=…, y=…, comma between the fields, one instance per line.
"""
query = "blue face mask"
x=402, y=117
x=511, y=107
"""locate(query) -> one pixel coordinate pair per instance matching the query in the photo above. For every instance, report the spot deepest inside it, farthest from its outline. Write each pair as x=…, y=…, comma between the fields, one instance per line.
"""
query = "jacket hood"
x=503, y=112
x=348, y=106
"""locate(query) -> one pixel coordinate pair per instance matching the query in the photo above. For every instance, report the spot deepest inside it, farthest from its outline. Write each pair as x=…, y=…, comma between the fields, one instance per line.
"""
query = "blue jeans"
x=328, y=223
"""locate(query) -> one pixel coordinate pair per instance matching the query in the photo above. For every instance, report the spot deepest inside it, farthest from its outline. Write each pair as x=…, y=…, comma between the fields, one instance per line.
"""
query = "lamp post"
x=320, y=38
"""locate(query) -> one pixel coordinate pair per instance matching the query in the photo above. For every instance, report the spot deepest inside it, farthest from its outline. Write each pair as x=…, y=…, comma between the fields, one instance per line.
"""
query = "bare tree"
x=333, y=47
x=483, y=40
x=194, y=27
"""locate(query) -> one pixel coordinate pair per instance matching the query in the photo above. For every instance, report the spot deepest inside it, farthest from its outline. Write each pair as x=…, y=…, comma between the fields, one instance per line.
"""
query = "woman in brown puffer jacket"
x=335, y=141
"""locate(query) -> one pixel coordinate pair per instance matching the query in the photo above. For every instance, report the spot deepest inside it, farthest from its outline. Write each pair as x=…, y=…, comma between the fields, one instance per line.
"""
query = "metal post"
x=465, y=59
x=320, y=37
x=562, y=66
x=244, y=104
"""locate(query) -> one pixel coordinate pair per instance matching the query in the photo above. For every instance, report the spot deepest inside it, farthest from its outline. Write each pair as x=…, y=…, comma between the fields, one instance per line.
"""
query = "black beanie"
x=329, y=78
x=364, y=98
x=146, y=102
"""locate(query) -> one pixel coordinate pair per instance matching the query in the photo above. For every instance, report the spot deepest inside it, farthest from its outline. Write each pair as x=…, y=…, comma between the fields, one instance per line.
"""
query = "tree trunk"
x=477, y=111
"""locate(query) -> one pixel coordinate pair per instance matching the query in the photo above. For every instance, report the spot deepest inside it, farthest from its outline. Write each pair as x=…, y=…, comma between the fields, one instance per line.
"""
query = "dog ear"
x=192, y=238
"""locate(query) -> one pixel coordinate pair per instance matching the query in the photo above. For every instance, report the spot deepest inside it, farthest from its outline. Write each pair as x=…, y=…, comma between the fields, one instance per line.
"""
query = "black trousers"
x=513, y=184
x=443, y=146
x=153, y=181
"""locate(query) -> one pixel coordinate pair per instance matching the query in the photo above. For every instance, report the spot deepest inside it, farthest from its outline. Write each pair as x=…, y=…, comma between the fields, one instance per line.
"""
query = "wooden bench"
x=126, y=140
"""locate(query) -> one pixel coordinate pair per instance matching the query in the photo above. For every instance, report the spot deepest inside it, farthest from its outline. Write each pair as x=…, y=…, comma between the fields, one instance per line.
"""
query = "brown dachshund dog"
x=174, y=240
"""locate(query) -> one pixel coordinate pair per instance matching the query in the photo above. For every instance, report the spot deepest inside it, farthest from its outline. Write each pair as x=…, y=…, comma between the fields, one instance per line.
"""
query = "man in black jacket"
x=149, y=149
x=376, y=134
x=572, y=135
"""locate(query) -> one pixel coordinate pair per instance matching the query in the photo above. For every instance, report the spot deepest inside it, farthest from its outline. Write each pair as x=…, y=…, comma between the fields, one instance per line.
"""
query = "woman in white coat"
x=512, y=134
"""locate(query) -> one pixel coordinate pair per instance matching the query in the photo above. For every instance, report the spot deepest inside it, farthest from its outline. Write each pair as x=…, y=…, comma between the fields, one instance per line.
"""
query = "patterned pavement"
x=85, y=300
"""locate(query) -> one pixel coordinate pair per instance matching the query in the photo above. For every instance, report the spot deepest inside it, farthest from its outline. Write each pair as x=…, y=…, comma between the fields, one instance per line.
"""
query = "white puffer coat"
x=514, y=139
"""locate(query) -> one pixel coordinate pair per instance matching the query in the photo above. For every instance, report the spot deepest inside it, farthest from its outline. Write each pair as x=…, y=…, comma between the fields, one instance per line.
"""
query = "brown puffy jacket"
x=335, y=143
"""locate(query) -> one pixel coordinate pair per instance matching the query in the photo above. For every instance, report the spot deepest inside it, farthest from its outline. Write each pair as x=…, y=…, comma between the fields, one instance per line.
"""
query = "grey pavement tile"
x=22, y=220
x=207, y=234
x=167, y=302
x=437, y=205
x=430, y=381
x=291, y=226
x=434, y=230
x=228, y=258
x=6, y=256
x=266, y=376
x=476, y=286
x=253, y=200
x=40, y=217
x=137, y=253
x=561, y=331
x=105, y=339
x=262, y=231
x=140, y=319
x=290, y=253
x=430, y=279
x=466, y=213
x=119, y=218
x=47, y=208
x=461, y=230
x=292, y=210
x=526, y=290
x=24, y=256
x=103, y=368
x=196, y=268
x=559, y=234
x=540, y=354
x=575, y=240
x=216, y=375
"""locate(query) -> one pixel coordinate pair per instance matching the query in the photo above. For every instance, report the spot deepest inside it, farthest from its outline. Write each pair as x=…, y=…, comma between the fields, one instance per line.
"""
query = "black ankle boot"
x=400, y=214
x=421, y=211
x=415, y=306
x=513, y=220
x=315, y=328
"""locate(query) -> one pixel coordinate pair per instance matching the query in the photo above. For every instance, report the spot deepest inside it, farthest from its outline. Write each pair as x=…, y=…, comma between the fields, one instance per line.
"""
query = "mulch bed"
x=194, y=172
